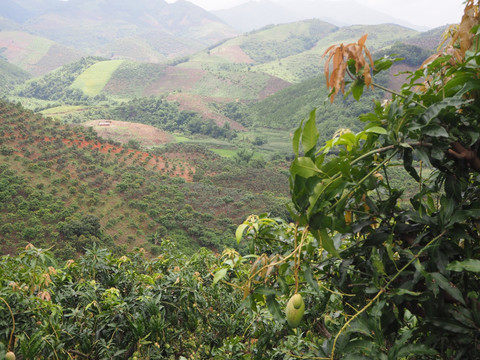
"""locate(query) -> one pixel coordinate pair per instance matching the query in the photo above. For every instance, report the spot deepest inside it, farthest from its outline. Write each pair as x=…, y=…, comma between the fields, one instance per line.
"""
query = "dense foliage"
x=106, y=307
x=64, y=187
x=269, y=44
x=412, y=55
x=158, y=112
x=281, y=109
x=374, y=270
x=384, y=279
x=10, y=76
x=55, y=86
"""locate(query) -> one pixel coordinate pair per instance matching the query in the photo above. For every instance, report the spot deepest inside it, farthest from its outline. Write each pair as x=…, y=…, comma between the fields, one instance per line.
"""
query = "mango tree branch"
x=10, y=341
x=383, y=290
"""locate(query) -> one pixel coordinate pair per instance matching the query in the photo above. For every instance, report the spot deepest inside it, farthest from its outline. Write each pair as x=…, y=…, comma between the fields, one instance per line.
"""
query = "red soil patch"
x=396, y=79
x=57, y=56
x=199, y=104
x=233, y=53
x=123, y=131
x=182, y=169
x=175, y=78
x=274, y=85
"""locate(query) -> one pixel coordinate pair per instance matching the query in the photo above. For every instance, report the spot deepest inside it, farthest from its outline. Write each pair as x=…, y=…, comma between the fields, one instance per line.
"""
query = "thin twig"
x=9, y=347
x=382, y=290
x=396, y=93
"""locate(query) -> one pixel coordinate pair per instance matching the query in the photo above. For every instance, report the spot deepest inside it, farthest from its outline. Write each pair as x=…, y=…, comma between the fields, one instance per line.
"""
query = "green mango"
x=295, y=310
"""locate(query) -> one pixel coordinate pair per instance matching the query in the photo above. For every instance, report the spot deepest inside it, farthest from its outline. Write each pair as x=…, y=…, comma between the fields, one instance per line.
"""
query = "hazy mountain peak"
x=91, y=24
x=256, y=14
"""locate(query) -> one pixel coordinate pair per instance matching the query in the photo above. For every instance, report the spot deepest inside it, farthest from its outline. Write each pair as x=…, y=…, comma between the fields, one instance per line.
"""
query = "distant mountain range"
x=257, y=14
x=109, y=26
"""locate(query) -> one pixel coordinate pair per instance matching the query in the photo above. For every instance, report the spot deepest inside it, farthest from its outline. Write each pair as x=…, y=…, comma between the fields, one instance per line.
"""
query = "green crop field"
x=224, y=152
x=62, y=110
x=93, y=80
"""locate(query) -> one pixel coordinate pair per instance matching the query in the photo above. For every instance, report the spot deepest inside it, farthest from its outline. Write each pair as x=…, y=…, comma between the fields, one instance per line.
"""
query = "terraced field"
x=93, y=80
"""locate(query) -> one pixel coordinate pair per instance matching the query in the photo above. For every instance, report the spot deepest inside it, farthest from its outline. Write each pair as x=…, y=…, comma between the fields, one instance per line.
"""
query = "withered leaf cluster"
x=339, y=55
x=461, y=37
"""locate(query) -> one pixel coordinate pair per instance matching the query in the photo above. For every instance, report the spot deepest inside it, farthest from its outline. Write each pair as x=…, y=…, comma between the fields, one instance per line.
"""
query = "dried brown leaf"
x=362, y=40
x=338, y=56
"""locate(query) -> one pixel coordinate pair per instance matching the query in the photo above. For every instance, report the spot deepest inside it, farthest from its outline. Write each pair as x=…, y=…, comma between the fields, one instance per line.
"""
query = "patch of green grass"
x=277, y=140
x=224, y=152
x=93, y=80
x=29, y=103
x=64, y=109
x=181, y=138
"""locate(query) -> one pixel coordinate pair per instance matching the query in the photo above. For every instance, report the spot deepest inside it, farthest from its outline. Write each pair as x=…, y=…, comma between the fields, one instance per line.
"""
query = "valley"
x=274, y=181
x=212, y=128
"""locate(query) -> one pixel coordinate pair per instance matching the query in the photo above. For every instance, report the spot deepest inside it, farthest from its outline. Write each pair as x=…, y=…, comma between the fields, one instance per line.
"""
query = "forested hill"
x=63, y=187
x=10, y=76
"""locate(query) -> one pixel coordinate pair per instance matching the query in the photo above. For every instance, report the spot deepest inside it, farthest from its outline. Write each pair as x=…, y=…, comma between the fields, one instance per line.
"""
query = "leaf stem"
x=9, y=347
x=396, y=93
x=383, y=290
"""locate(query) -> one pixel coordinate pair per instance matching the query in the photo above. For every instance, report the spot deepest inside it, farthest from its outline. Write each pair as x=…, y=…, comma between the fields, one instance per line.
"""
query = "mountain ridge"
x=89, y=25
x=254, y=15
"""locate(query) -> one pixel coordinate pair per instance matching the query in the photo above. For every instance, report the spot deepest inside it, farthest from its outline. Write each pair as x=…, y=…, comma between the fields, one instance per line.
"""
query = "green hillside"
x=27, y=49
x=56, y=85
x=132, y=79
x=277, y=42
x=131, y=48
x=293, y=51
x=92, y=24
x=64, y=187
x=286, y=108
x=264, y=45
x=304, y=65
x=229, y=72
x=10, y=76
x=35, y=54
x=92, y=81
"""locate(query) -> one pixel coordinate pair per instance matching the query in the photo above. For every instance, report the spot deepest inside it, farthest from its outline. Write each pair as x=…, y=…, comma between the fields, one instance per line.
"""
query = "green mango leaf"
x=274, y=308
x=265, y=290
x=447, y=286
x=415, y=349
x=407, y=164
x=310, y=134
x=465, y=265
x=434, y=130
x=327, y=242
x=239, y=233
x=451, y=326
x=376, y=130
x=296, y=139
x=219, y=275
x=309, y=277
x=384, y=64
x=317, y=192
x=434, y=110
x=305, y=167
x=357, y=89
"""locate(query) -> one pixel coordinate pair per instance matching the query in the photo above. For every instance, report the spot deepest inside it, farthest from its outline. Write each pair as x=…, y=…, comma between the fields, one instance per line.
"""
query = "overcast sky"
x=430, y=13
